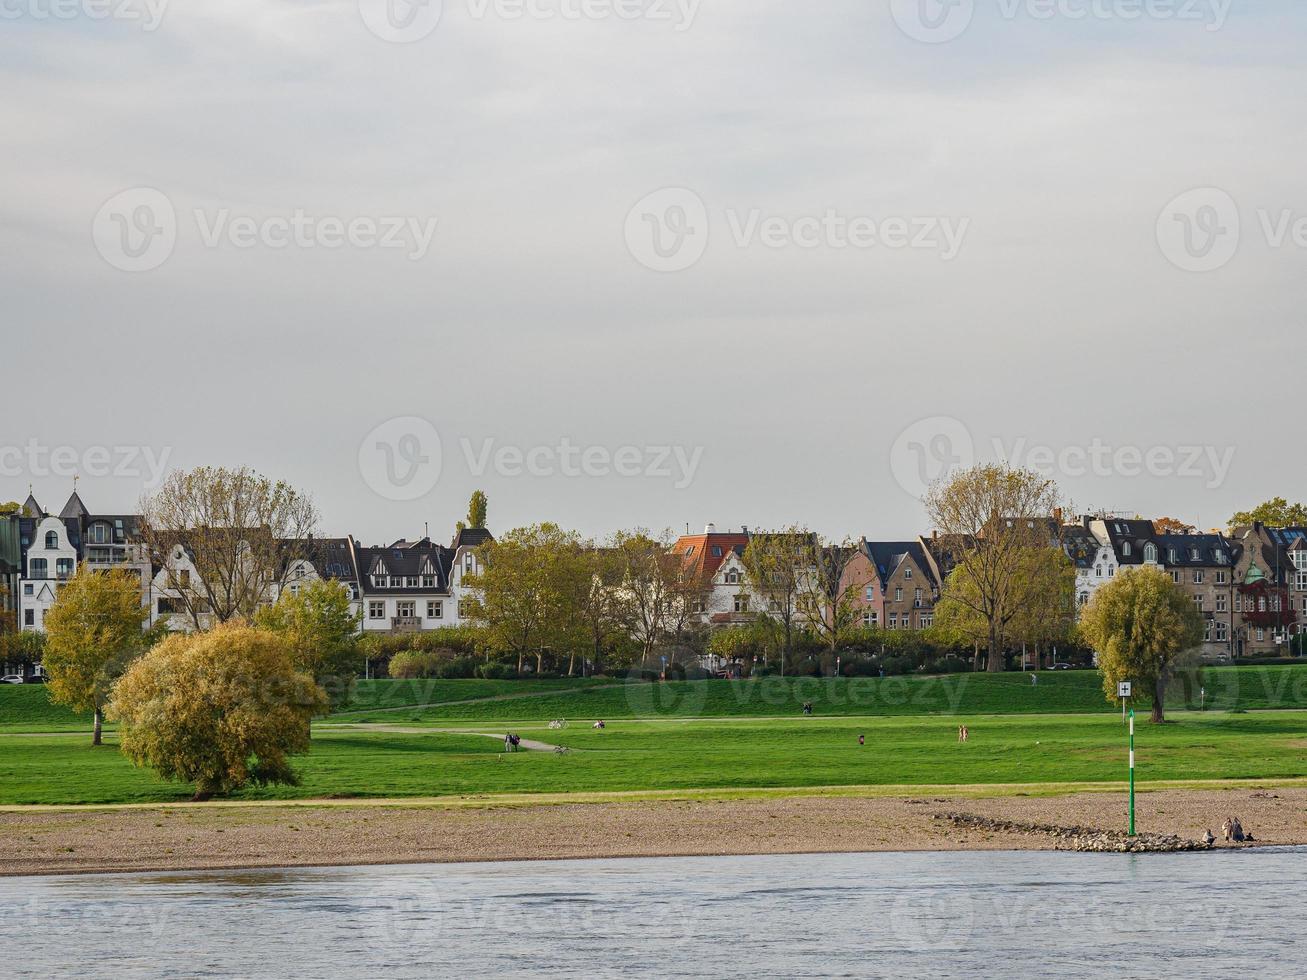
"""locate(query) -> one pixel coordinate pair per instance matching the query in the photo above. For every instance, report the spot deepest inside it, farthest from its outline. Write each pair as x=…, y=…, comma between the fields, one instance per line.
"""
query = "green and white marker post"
x=1132, y=772
x=1123, y=691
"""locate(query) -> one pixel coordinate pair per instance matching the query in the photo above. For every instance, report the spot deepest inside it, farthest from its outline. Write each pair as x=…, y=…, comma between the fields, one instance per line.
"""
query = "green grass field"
x=713, y=734
x=721, y=753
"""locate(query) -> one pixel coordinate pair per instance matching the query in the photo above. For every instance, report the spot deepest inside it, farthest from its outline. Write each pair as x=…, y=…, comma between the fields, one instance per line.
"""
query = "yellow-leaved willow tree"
x=219, y=709
x=1144, y=628
x=93, y=632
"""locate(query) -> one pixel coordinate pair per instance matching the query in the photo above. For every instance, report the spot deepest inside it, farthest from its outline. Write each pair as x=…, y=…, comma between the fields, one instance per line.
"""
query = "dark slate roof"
x=470, y=537
x=1178, y=550
x=31, y=508
x=1080, y=545
x=405, y=559
x=1137, y=532
x=887, y=556
x=74, y=510
x=332, y=558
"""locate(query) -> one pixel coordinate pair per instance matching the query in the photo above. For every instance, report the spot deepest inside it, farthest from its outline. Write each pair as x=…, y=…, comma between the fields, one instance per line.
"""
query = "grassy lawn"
x=730, y=753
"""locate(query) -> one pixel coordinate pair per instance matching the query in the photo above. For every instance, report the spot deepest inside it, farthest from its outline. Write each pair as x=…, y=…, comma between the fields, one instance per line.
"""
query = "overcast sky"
x=890, y=242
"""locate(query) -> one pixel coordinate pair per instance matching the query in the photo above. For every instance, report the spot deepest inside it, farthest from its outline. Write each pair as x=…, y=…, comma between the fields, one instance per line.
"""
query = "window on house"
x=39, y=568
x=1098, y=571
x=898, y=595
x=871, y=592
x=893, y=622
x=184, y=578
x=926, y=620
x=376, y=610
x=916, y=596
x=1175, y=577
x=741, y=604
x=411, y=582
x=380, y=581
x=774, y=606
x=469, y=563
x=716, y=551
x=435, y=609
x=1207, y=632
x=1261, y=634
x=1198, y=577
x=295, y=589
x=689, y=552
x=1150, y=552
x=99, y=534
x=428, y=581
x=29, y=590
x=462, y=609
x=870, y=618
x=1170, y=555
x=907, y=573
x=1221, y=578
x=406, y=609
x=1125, y=548
x=52, y=541
x=29, y=617
x=1222, y=632
x=1194, y=554
x=1220, y=602
x=1084, y=598
x=1198, y=601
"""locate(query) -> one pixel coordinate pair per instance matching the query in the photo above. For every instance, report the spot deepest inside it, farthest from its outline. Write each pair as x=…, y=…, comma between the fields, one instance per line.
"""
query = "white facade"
x=51, y=562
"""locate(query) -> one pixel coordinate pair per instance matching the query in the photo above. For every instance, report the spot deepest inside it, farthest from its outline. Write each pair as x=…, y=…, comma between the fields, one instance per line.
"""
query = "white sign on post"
x=1123, y=689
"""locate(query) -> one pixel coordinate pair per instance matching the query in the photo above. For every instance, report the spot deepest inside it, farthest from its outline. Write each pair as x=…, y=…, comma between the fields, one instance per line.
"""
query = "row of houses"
x=404, y=586
x=1250, y=585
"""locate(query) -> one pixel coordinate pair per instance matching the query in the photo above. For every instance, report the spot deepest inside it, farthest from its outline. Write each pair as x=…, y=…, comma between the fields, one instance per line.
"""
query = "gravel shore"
x=59, y=841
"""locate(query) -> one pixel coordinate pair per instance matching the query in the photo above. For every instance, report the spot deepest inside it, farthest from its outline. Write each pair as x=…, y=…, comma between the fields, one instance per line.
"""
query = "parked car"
x=11, y=679
x=1062, y=667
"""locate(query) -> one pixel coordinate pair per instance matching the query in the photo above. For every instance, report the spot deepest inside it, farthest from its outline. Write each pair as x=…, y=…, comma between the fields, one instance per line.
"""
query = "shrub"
x=217, y=709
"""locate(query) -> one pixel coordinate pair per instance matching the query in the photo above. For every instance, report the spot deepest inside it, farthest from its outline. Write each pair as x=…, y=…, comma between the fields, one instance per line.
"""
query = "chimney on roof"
x=744, y=529
x=934, y=534
x=710, y=529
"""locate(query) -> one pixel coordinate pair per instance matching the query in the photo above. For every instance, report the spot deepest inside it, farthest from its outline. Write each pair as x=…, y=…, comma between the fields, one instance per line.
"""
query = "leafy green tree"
x=476, y=509
x=995, y=515
x=529, y=592
x=219, y=709
x=324, y=634
x=93, y=632
x=1276, y=512
x=1144, y=627
x=778, y=568
x=10, y=508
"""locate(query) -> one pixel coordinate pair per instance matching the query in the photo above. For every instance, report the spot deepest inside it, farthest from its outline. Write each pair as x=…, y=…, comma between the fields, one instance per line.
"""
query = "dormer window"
x=428, y=581
x=689, y=552
x=716, y=551
x=907, y=573
x=1170, y=555
x=1150, y=553
x=381, y=581
x=733, y=576
x=1125, y=548
x=469, y=564
x=52, y=541
x=1195, y=554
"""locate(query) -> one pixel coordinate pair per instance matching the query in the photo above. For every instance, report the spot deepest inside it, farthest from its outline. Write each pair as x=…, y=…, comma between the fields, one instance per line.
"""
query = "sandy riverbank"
x=55, y=841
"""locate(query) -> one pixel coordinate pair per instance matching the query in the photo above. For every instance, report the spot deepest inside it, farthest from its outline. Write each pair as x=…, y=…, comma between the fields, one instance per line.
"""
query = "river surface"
x=997, y=914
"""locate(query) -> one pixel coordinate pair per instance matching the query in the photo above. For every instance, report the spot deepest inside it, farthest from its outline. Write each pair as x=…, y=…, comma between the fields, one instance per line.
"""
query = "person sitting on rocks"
x=1209, y=838
x=1236, y=831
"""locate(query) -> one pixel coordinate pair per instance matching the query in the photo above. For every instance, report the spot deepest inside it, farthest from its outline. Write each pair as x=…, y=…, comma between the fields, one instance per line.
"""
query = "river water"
x=997, y=914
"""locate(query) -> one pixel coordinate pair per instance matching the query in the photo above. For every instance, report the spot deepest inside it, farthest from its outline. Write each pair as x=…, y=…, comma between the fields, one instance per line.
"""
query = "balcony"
x=405, y=624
